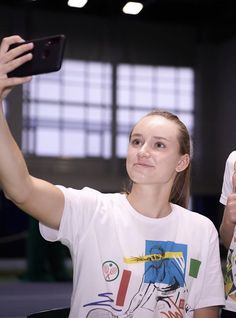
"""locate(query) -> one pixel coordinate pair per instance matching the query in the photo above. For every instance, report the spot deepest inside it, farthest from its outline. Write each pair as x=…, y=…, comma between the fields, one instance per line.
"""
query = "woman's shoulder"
x=231, y=158
x=193, y=217
x=232, y=154
x=85, y=190
x=88, y=194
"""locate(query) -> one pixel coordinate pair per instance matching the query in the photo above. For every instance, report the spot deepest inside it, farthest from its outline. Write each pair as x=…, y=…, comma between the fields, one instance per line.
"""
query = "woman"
x=137, y=254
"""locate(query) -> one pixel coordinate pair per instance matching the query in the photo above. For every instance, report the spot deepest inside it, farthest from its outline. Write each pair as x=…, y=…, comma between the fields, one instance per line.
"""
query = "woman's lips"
x=143, y=164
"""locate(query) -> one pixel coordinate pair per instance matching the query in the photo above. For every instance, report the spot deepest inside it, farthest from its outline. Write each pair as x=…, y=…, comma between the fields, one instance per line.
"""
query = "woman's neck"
x=149, y=201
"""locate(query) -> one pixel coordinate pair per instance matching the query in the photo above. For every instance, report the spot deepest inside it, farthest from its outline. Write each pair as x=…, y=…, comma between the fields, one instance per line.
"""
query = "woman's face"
x=153, y=151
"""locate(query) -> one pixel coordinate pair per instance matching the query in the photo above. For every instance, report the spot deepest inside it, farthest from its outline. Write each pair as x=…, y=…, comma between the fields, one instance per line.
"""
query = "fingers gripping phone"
x=47, y=53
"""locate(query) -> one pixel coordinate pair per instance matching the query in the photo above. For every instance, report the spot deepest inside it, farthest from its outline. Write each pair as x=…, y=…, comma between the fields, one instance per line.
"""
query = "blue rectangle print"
x=165, y=263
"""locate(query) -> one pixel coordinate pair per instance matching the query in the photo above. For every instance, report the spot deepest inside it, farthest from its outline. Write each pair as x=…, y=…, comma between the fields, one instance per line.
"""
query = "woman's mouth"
x=143, y=164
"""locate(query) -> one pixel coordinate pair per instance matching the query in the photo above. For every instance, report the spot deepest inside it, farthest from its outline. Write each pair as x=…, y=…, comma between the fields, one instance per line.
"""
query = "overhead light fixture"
x=77, y=3
x=132, y=7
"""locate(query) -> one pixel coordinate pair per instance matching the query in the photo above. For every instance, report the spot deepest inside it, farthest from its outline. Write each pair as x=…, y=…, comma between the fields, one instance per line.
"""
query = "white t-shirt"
x=230, y=274
x=128, y=265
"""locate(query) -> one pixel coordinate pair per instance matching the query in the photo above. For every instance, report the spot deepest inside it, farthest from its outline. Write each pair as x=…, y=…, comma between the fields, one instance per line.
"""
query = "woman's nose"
x=143, y=152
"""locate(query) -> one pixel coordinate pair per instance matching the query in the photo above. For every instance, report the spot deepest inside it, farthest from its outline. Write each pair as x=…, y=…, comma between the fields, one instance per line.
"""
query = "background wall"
x=125, y=40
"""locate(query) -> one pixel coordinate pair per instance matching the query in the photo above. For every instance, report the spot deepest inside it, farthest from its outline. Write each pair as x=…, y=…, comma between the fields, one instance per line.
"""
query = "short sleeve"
x=48, y=233
x=80, y=207
x=227, y=187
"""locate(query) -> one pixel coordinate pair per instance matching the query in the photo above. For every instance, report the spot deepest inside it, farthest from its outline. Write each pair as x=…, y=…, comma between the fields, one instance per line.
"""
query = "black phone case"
x=47, y=53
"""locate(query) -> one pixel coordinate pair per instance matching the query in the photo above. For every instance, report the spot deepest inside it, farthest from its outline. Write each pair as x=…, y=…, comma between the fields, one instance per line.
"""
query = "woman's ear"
x=183, y=163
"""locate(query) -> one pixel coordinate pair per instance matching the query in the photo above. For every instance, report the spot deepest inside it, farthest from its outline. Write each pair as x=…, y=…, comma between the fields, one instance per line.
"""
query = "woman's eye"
x=135, y=142
x=159, y=145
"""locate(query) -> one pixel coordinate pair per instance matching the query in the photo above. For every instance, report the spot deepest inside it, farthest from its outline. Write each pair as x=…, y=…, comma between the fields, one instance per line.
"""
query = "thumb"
x=234, y=178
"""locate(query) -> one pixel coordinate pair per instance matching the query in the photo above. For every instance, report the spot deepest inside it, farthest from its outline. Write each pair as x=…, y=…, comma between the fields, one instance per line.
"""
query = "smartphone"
x=47, y=53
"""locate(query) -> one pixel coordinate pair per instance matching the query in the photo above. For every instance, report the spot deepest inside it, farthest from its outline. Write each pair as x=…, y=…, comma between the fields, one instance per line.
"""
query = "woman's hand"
x=10, y=60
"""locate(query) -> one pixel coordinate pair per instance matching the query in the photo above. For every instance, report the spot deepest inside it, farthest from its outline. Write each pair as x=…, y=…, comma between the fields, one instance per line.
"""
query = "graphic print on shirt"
x=162, y=287
x=229, y=277
x=110, y=270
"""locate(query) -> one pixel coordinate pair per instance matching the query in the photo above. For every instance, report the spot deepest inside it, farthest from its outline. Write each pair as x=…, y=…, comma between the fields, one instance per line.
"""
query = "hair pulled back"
x=181, y=186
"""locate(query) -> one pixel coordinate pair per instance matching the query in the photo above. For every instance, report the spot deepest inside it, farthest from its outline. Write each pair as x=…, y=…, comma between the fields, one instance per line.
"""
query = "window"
x=69, y=113
x=145, y=88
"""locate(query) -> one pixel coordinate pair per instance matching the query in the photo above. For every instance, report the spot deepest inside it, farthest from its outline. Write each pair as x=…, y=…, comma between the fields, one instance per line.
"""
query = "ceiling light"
x=132, y=7
x=77, y=3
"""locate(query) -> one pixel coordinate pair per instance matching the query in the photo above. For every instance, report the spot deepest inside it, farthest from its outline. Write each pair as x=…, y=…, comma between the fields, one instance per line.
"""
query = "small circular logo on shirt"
x=110, y=270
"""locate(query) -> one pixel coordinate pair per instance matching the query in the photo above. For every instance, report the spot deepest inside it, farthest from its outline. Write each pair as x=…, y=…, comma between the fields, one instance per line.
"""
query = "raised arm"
x=229, y=218
x=36, y=197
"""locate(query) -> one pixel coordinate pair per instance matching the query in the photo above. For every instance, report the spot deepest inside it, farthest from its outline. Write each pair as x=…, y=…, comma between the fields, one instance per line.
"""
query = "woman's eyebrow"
x=161, y=138
x=136, y=135
x=155, y=137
